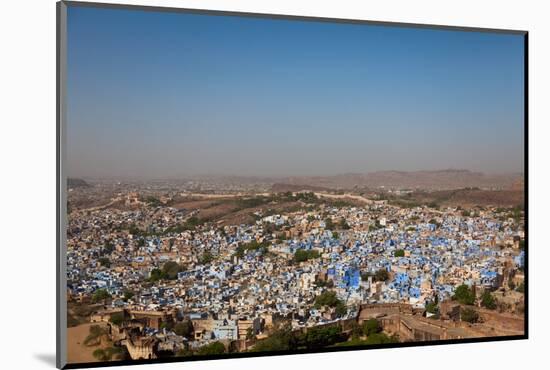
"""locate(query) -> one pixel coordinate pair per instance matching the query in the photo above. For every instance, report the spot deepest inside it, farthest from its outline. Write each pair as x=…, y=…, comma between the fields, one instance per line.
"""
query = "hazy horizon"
x=277, y=177
x=171, y=95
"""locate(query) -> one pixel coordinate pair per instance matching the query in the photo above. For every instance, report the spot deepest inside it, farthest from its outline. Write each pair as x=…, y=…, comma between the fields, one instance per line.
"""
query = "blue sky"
x=155, y=94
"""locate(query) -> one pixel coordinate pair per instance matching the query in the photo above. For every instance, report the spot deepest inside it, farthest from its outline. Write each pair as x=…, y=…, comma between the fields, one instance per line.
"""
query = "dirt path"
x=77, y=352
x=344, y=196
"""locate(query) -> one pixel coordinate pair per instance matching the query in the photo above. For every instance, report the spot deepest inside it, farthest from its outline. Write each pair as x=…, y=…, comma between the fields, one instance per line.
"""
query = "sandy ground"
x=76, y=350
x=344, y=196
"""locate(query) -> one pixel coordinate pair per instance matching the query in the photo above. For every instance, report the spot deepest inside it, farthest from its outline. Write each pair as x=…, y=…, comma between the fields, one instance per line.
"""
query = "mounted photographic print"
x=237, y=185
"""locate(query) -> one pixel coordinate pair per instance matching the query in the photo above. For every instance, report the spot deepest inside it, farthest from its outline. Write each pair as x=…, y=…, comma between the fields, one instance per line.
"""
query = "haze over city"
x=167, y=95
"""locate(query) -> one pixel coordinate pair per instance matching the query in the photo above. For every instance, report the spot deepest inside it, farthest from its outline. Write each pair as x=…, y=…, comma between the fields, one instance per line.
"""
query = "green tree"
x=469, y=315
x=356, y=330
x=156, y=275
x=380, y=338
x=192, y=223
x=117, y=318
x=94, y=335
x=100, y=355
x=281, y=340
x=327, y=298
x=371, y=326
x=184, y=329
x=117, y=353
x=341, y=309
x=109, y=247
x=344, y=224
x=464, y=295
x=319, y=337
x=152, y=201
x=128, y=294
x=252, y=246
x=170, y=270
x=134, y=230
x=206, y=258
x=431, y=307
x=240, y=251
x=100, y=295
x=104, y=261
x=302, y=255
x=516, y=213
x=399, y=253
x=185, y=352
x=216, y=348
x=108, y=354
x=488, y=301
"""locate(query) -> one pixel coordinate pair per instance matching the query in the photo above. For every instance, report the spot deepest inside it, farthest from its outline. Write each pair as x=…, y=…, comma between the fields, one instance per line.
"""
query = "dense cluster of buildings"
x=234, y=282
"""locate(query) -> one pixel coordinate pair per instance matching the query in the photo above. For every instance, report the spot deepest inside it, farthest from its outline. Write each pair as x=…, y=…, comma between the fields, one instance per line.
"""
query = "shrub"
x=341, y=309
x=94, y=337
x=344, y=225
x=380, y=338
x=318, y=337
x=327, y=298
x=206, y=258
x=156, y=275
x=184, y=329
x=252, y=246
x=281, y=340
x=382, y=275
x=170, y=270
x=303, y=255
x=117, y=318
x=431, y=307
x=108, y=354
x=128, y=294
x=100, y=354
x=216, y=348
x=469, y=315
x=104, y=261
x=464, y=295
x=488, y=301
x=371, y=326
x=100, y=295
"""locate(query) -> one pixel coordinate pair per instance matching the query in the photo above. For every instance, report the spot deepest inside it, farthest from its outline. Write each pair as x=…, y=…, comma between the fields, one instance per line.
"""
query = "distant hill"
x=428, y=180
x=77, y=183
x=467, y=198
